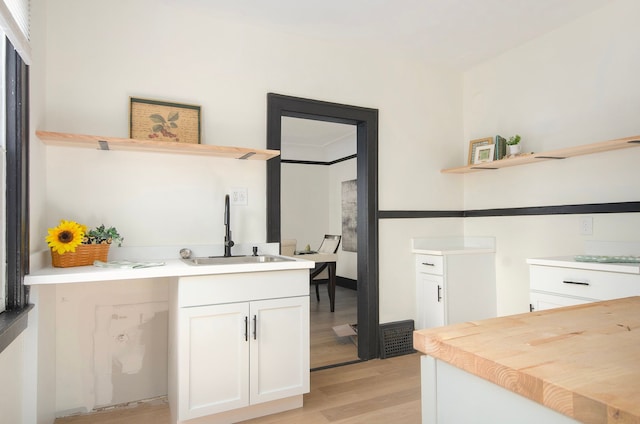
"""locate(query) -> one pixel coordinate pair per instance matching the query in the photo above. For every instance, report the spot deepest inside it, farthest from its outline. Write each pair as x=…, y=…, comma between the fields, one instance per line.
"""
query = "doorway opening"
x=366, y=121
x=318, y=207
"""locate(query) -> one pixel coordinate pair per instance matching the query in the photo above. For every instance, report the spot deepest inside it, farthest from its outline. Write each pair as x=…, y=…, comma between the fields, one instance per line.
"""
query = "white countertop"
x=46, y=274
x=570, y=262
x=452, y=245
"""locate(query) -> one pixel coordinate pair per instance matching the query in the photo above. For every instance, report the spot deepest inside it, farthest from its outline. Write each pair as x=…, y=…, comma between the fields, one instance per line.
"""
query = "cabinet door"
x=430, y=301
x=213, y=358
x=542, y=301
x=279, y=348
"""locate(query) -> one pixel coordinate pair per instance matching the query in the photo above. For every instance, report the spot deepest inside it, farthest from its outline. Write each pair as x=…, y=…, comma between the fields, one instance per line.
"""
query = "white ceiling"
x=305, y=139
x=454, y=33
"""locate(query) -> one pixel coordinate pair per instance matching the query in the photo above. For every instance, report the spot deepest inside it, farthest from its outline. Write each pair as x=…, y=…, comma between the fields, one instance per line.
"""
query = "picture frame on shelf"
x=484, y=154
x=156, y=120
x=474, y=144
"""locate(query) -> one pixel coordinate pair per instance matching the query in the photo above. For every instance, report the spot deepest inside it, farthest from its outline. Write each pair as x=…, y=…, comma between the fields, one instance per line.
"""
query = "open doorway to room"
x=318, y=197
x=366, y=123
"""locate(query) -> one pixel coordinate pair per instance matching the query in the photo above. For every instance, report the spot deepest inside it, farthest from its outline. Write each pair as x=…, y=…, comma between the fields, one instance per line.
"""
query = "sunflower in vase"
x=69, y=234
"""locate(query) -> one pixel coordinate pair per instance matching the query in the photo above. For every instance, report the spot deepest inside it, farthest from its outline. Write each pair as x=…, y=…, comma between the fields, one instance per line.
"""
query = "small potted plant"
x=72, y=245
x=513, y=145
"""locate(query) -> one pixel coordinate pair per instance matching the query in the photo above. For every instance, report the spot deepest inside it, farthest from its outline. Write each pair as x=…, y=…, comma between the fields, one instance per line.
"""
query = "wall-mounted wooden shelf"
x=114, y=143
x=604, y=146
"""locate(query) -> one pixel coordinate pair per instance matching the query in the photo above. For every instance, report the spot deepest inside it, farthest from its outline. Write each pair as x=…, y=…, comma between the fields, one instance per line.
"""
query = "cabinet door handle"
x=428, y=264
x=255, y=327
x=579, y=283
x=439, y=293
x=246, y=329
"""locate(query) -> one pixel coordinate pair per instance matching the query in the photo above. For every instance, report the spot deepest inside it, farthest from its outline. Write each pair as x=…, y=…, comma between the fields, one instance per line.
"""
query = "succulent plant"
x=513, y=140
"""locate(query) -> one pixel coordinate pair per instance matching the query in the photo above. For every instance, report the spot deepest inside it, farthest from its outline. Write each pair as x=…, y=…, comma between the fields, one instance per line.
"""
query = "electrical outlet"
x=238, y=196
x=586, y=226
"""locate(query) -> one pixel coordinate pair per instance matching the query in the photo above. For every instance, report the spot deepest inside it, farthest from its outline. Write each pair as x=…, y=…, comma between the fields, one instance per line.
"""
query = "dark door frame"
x=366, y=121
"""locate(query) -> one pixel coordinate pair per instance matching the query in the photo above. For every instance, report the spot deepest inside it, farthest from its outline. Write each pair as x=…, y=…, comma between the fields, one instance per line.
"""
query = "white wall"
x=12, y=370
x=347, y=265
x=576, y=85
x=227, y=65
x=304, y=203
x=311, y=206
x=113, y=348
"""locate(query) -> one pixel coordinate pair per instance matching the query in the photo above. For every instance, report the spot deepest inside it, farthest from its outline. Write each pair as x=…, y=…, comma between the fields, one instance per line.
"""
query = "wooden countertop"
x=582, y=361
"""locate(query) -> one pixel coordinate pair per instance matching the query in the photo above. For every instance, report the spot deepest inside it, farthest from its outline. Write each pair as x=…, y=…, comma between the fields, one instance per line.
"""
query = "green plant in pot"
x=513, y=145
x=102, y=235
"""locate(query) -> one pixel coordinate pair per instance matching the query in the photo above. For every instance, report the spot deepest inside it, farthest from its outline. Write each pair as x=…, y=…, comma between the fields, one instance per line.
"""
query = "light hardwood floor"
x=376, y=391
x=326, y=348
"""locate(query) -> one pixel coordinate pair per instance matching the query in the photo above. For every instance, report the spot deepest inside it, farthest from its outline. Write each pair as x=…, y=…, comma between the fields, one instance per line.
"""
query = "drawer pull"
x=579, y=283
x=428, y=264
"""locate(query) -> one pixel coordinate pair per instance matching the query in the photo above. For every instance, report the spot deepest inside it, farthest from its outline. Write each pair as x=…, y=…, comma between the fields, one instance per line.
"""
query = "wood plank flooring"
x=326, y=347
x=376, y=391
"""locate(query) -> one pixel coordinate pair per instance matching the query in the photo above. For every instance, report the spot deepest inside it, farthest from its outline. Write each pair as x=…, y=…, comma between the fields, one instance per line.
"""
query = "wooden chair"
x=319, y=274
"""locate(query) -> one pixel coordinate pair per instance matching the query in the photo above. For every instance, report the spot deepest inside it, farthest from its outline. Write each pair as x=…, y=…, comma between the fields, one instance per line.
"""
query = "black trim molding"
x=420, y=214
x=311, y=162
x=366, y=121
x=12, y=323
x=587, y=208
x=14, y=319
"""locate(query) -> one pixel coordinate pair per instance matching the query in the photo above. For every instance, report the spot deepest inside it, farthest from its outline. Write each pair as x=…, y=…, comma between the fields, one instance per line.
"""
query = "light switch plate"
x=238, y=196
x=586, y=226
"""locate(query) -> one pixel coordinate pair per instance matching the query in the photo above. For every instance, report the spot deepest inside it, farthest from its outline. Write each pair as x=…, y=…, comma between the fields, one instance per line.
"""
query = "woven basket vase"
x=85, y=254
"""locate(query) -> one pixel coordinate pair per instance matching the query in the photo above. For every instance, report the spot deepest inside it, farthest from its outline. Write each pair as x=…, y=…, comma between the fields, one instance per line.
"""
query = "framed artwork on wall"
x=164, y=121
x=349, y=215
x=474, y=144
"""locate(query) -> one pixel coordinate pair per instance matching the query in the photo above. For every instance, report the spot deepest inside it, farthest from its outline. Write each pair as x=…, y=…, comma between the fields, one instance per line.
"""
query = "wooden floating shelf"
x=114, y=143
x=587, y=149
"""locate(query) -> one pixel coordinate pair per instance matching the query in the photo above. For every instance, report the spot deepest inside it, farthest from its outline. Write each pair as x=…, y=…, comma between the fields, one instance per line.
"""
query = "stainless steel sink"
x=228, y=260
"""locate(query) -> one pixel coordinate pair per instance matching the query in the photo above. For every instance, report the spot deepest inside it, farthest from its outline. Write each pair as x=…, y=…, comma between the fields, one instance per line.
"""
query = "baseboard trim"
x=347, y=283
x=341, y=364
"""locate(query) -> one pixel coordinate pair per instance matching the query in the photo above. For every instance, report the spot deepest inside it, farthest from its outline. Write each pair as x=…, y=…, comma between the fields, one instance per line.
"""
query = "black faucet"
x=228, y=243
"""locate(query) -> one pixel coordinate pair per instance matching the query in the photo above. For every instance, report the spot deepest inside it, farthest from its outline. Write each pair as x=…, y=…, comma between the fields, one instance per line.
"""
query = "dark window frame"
x=14, y=319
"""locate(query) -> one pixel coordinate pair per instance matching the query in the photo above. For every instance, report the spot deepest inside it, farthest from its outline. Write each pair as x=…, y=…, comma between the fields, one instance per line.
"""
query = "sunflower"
x=66, y=236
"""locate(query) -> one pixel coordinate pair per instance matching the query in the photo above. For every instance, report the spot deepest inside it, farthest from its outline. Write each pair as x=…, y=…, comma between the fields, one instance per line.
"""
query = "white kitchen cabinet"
x=430, y=304
x=216, y=353
x=455, y=280
x=239, y=346
x=541, y=301
x=562, y=281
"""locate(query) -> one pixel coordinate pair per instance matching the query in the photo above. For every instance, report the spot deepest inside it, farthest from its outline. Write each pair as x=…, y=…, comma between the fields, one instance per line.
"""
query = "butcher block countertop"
x=582, y=361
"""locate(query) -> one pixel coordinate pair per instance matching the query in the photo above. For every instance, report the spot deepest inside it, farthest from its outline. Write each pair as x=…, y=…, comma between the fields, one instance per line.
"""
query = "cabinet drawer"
x=429, y=264
x=241, y=287
x=543, y=301
x=598, y=285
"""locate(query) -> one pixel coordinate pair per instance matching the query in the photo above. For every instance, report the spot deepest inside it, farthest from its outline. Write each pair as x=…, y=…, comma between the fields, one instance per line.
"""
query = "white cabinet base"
x=562, y=281
x=249, y=412
x=451, y=396
x=453, y=288
x=239, y=345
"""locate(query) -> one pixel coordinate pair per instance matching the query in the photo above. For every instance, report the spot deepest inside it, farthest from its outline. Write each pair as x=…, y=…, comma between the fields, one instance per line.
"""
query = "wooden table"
x=582, y=361
x=330, y=259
